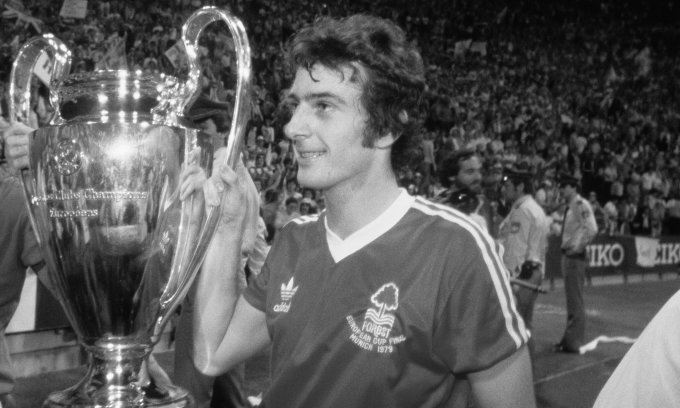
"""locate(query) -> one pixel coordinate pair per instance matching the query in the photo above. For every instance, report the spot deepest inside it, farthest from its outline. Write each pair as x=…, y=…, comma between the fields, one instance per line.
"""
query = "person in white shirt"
x=647, y=376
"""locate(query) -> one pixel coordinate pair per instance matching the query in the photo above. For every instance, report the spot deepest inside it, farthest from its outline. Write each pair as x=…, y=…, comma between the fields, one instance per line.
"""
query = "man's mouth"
x=311, y=154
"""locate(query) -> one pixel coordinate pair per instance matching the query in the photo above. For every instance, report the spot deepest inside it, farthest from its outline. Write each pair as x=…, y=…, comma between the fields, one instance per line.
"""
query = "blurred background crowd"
x=589, y=88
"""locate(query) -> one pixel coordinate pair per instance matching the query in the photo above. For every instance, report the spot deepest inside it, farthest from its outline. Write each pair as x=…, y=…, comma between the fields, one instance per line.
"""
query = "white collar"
x=341, y=249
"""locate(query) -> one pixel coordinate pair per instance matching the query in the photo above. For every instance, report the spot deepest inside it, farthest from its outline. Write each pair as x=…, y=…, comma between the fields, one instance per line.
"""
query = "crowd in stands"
x=589, y=88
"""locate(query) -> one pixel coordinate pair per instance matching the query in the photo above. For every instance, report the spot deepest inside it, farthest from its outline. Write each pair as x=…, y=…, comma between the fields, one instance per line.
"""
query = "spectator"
x=463, y=170
x=289, y=212
x=646, y=376
x=598, y=212
x=19, y=252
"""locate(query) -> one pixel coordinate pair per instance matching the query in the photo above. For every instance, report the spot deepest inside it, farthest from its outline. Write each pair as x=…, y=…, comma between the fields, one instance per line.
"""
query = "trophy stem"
x=113, y=380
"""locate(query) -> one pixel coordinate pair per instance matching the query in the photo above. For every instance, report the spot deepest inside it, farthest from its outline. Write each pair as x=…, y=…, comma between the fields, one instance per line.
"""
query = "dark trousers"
x=526, y=299
x=574, y=272
x=227, y=389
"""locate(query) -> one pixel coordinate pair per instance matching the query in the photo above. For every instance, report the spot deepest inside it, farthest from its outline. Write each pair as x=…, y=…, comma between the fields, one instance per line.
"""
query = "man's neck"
x=348, y=211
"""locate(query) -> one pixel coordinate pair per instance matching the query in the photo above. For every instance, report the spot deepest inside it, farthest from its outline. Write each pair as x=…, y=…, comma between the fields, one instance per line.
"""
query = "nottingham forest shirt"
x=386, y=316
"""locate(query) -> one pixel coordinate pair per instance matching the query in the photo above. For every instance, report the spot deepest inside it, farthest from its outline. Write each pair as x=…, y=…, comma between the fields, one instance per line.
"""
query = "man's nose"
x=297, y=126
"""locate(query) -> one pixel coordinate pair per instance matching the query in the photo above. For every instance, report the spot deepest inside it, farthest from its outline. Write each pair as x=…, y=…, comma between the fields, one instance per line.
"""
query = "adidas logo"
x=288, y=290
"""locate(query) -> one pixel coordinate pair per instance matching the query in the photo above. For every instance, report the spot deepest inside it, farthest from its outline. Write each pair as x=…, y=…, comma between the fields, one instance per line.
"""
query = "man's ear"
x=385, y=142
x=388, y=140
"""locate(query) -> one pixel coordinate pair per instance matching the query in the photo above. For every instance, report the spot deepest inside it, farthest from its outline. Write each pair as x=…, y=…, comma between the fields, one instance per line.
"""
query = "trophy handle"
x=192, y=29
x=57, y=66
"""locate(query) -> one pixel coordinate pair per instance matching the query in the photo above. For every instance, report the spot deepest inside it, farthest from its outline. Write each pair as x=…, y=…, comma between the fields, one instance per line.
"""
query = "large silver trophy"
x=103, y=191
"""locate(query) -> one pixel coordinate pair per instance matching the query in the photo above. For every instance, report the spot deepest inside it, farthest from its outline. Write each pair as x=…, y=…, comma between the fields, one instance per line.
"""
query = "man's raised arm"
x=226, y=332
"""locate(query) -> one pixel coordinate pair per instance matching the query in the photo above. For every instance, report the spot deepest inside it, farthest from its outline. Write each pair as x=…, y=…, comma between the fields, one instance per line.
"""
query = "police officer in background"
x=524, y=236
x=578, y=229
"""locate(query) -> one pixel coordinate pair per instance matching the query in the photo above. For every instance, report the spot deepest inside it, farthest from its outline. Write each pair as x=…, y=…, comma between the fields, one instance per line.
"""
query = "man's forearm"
x=217, y=290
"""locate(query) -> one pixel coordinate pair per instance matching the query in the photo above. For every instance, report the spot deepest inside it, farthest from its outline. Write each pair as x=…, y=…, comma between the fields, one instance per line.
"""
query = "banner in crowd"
x=177, y=55
x=43, y=68
x=622, y=255
x=74, y=9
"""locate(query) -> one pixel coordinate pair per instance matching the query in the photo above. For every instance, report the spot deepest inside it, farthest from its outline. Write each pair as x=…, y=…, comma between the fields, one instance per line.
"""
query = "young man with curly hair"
x=356, y=308
x=382, y=299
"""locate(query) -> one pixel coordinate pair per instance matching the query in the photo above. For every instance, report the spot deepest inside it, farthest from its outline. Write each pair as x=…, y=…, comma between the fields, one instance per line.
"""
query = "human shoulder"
x=530, y=207
x=581, y=202
x=448, y=231
x=583, y=207
x=301, y=222
x=437, y=215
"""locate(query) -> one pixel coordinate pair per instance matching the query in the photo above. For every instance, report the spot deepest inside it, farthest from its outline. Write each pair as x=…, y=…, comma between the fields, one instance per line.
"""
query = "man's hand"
x=527, y=270
x=227, y=188
x=16, y=145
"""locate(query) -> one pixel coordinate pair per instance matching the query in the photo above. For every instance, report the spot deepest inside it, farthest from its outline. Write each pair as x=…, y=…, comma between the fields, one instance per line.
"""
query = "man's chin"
x=308, y=181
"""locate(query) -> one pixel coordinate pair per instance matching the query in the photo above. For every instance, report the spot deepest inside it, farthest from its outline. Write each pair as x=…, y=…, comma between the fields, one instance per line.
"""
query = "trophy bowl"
x=102, y=189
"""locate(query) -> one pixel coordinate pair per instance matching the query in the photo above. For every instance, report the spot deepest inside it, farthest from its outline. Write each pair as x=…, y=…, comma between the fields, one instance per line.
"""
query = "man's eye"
x=322, y=106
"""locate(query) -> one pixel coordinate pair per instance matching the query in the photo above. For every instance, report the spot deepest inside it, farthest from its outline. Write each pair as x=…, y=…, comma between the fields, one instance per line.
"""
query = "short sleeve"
x=478, y=324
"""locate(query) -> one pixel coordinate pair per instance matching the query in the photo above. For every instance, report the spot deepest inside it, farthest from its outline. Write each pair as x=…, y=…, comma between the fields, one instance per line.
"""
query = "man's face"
x=327, y=130
x=567, y=191
x=208, y=126
x=509, y=191
x=292, y=207
x=470, y=174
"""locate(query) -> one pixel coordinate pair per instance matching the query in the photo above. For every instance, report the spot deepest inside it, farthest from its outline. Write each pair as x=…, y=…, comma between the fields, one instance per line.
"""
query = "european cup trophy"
x=103, y=194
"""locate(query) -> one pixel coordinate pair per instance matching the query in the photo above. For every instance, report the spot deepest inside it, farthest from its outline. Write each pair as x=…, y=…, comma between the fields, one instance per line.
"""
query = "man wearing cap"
x=523, y=234
x=212, y=117
x=578, y=229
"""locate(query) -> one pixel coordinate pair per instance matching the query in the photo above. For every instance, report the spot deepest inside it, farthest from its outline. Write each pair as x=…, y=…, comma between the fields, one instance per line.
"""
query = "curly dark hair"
x=395, y=74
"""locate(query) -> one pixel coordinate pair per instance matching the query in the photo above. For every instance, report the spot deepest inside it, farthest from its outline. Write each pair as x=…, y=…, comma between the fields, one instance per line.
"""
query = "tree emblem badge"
x=386, y=299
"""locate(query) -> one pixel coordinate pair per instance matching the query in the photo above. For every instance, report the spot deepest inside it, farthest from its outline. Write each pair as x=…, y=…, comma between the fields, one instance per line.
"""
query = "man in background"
x=524, y=236
x=18, y=251
x=462, y=170
x=578, y=229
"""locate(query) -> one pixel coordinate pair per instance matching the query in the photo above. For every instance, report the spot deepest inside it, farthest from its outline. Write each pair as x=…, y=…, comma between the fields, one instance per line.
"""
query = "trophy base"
x=114, y=380
x=156, y=396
